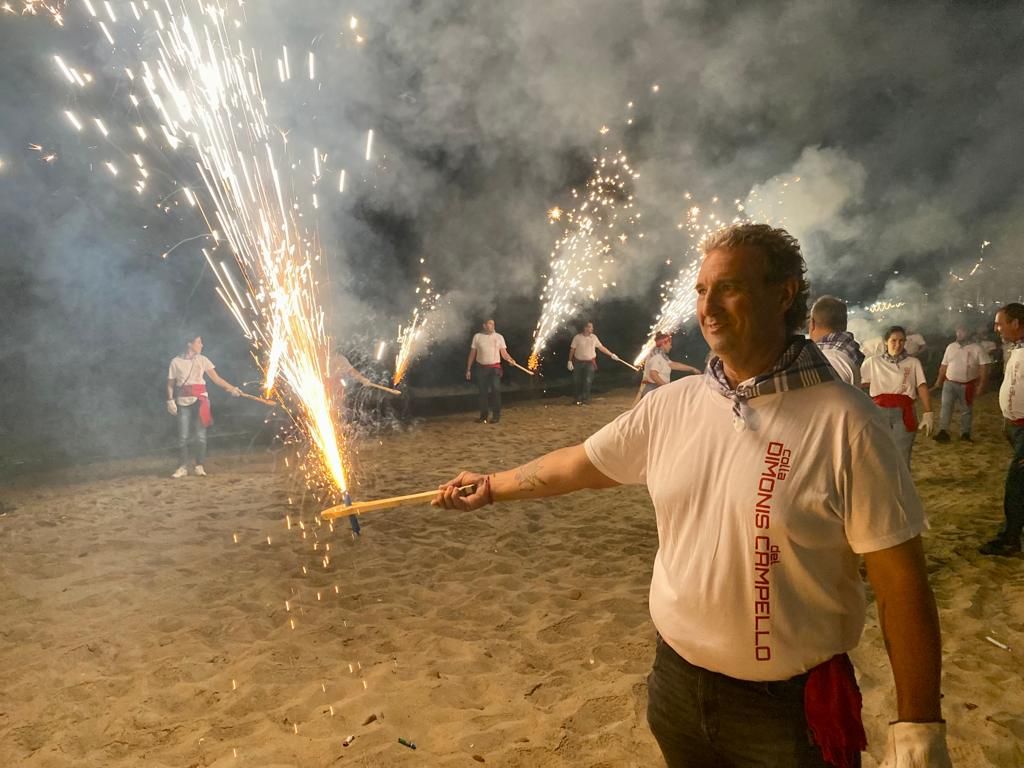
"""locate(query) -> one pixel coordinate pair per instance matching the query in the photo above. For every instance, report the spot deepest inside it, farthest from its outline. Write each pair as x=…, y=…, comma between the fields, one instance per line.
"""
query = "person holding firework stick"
x=658, y=366
x=188, y=399
x=770, y=480
x=486, y=351
x=583, y=361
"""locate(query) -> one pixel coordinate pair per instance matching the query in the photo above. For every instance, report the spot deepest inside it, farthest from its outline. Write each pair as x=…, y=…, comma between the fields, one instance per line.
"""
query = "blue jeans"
x=188, y=415
x=954, y=393
x=582, y=379
x=1013, y=497
x=904, y=440
x=488, y=381
x=703, y=719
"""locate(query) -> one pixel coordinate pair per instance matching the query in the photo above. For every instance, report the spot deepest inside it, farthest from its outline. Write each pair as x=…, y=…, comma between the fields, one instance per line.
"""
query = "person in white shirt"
x=895, y=380
x=770, y=478
x=963, y=375
x=188, y=399
x=916, y=344
x=1010, y=327
x=486, y=351
x=583, y=361
x=658, y=366
x=827, y=329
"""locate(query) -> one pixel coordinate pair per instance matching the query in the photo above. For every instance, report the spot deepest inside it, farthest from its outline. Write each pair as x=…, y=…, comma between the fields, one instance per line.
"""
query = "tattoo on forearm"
x=528, y=476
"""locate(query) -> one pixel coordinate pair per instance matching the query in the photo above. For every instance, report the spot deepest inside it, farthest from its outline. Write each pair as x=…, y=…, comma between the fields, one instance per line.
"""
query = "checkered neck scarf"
x=895, y=360
x=1018, y=344
x=843, y=341
x=801, y=365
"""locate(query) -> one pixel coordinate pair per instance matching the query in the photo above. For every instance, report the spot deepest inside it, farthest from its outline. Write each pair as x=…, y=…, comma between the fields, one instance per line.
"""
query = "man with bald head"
x=827, y=329
x=770, y=479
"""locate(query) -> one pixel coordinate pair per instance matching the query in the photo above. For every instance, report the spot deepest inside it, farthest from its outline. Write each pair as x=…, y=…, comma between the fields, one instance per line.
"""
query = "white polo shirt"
x=760, y=531
x=488, y=347
x=842, y=364
x=887, y=378
x=1011, y=392
x=963, y=362
x=188, y=370
x=659, y=362
x=585, y=347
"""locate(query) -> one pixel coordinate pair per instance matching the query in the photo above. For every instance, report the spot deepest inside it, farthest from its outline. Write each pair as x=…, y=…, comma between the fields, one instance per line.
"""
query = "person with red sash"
x=486, y=351
x=895, y=380
x=770, y=479
x=963, y=375
x=188, y=399
x=1010, y=327
x=583, y=361
x=658, y=366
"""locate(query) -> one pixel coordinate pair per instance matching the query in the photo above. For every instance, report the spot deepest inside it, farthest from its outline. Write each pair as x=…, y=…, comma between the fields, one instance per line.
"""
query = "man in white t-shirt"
x=827, y=329
x=486, y=351
x=188, y=399
x=583, y=361
x=770, y=479
x=658, y=366
x=1010, y=327
x=963, y=375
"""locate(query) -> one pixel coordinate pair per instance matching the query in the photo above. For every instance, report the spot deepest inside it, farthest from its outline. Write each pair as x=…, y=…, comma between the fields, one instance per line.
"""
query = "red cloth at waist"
x=1017, y=422
x=969, y=389
x=495, y=366
x=832, y=706
x=592, y=362
x=902, y=402
x=199, y=391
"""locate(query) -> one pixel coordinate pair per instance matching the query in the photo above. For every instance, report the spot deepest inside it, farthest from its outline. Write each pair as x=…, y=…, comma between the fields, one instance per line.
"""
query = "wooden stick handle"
x=247, y=396
x=378, y=504
x=628, y=365
x=382, y=388
x=524, y=370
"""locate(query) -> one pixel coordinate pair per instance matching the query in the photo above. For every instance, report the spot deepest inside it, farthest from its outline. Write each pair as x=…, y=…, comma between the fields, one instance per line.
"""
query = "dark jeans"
x=488, y=380
x=704, y=719
x=1013, y=497
x=188, y=415
x=582, y=379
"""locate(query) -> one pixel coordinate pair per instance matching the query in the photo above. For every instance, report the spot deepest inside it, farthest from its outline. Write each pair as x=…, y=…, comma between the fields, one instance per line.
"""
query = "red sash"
x=495, y=366
x=969, y=389
x=1018, y=422
x=198, y=391
x=592, y=362
x=832, y=706
x=902, y=402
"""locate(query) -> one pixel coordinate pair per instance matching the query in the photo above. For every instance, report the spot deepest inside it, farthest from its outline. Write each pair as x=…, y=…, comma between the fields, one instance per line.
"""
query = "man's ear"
x=790, y=287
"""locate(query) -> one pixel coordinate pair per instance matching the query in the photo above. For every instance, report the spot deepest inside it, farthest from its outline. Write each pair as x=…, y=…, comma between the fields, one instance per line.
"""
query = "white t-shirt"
x=488, y=347
x=759, y=531
x=963, y=363
x=841, y=363
x=188, y=370
x=1011, y=393
x=887, y=378
x=915, y=344
x=585, y=347
x=657, y=361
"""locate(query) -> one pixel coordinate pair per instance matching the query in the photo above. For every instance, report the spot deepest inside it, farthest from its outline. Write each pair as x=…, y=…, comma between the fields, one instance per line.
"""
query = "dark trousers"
x=488, y=381
x=1013, y=497
x=704, y=719
x=582, y=379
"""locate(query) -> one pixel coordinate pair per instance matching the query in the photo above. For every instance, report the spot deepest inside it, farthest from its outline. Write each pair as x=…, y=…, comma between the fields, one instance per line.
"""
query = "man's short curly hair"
x=783, y=260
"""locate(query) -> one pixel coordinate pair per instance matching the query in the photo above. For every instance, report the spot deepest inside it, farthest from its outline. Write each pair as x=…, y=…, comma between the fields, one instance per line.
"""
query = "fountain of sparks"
x=600, y=223
x=206, y=101
x=414, y=336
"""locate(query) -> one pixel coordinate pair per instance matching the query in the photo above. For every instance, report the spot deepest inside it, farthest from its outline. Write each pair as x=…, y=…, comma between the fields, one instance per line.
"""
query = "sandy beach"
x=148, y=621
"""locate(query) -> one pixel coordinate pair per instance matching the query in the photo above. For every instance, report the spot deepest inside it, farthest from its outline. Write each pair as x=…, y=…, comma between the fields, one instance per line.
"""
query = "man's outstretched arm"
x=562, y=471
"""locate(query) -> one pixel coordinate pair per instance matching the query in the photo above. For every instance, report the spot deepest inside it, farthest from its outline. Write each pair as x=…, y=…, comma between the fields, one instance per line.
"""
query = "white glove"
x=917, y=745
x=172, y=408
x=927, y=423
x=615, y=357
x=235, y=392
x=569, y=365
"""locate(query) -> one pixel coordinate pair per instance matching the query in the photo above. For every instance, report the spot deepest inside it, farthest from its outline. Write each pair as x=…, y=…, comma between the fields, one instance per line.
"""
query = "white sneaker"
x=199, y=471
x=179, y=472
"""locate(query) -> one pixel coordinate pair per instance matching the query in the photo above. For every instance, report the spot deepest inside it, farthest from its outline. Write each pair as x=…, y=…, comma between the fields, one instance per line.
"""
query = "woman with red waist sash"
x=895, y=380
x=188, y=400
